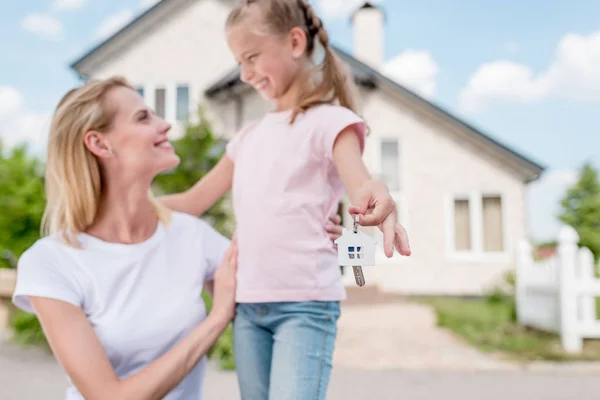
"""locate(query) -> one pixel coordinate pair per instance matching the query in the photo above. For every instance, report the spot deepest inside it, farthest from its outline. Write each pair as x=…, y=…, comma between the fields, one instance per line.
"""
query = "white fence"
x=558, y=295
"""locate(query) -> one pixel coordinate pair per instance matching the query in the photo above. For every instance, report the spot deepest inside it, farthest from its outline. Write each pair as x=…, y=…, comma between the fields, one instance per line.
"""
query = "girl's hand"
x=225, y=283
x=376, y=207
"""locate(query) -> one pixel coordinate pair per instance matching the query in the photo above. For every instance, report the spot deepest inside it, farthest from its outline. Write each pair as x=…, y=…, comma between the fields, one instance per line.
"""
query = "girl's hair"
x=279, y=17
x=73, y=175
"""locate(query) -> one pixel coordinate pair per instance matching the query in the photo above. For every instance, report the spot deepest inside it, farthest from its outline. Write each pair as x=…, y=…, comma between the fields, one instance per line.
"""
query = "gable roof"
x=367, y=76
x=137, y=27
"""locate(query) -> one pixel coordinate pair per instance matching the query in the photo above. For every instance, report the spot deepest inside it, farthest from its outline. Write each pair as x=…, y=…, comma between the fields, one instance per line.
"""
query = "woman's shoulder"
x=46, y=248
x=186, y=224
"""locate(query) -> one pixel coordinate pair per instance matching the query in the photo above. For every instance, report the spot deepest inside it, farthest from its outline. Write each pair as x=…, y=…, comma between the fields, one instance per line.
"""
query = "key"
x=359, y=277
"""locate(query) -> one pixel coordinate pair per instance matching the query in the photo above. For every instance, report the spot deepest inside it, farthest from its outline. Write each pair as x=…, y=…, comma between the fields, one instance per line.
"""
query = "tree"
x=22, y=201
x=199, y=150
x=581, y=209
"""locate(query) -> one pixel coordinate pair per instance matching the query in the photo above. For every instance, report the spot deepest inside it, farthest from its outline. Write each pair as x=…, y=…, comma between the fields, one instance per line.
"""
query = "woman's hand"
x=225, y=283
x=376, y=207
x=334, y=227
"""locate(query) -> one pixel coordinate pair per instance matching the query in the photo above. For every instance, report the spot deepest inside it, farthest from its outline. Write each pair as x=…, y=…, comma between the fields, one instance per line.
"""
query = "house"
x=460, y=193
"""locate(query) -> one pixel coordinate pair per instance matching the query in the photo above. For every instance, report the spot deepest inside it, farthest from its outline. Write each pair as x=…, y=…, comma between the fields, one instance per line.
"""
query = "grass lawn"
x=490, y=326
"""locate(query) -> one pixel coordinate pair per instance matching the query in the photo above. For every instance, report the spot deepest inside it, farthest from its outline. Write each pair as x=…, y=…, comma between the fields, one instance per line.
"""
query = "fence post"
x=567, y=257
x=586, y=274
x=524, y=260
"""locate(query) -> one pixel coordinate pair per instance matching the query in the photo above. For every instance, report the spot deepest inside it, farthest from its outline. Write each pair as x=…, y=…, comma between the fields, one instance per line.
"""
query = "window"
x=492, y=223
x=183, y=103
x=355, y=252
x=476, y=224
x=390, y=166
x=160, y=101
x=462, y=225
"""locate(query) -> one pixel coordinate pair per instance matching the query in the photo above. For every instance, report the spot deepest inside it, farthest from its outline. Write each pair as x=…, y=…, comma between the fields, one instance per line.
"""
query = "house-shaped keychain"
x=356, y=249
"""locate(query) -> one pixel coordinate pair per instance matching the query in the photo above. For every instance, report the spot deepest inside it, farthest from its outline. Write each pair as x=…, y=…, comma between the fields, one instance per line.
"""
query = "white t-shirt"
x=141, y=299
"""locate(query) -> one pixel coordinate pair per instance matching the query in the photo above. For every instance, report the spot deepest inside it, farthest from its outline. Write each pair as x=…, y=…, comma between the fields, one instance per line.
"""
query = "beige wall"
x=435, y=167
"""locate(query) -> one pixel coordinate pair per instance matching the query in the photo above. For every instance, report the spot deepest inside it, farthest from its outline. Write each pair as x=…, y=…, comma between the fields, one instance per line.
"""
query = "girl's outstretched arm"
x=205, y=193
x=370, y=198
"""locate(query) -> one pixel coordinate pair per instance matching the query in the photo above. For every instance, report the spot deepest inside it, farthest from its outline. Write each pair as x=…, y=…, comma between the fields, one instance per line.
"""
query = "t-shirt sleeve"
x=234, y=144
x=40, y=273
x=335, y=120
x=215, y=246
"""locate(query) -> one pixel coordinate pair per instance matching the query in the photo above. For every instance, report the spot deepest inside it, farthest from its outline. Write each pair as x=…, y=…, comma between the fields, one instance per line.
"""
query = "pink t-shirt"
x=285, y=187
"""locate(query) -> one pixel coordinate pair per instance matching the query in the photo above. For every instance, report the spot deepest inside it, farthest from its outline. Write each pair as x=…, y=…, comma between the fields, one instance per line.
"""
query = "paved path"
x=408, y=357
x=32, y=375
x=403, y=335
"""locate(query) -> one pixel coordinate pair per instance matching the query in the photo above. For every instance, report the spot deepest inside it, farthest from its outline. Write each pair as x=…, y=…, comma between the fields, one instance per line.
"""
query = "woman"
x=116, y=282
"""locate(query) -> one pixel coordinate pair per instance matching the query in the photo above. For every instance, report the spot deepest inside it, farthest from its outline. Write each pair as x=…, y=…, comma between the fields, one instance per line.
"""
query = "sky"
x=525, y=73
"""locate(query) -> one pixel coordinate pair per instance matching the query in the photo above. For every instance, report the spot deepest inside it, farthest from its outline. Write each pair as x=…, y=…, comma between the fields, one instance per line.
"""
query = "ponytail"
x=335, y=83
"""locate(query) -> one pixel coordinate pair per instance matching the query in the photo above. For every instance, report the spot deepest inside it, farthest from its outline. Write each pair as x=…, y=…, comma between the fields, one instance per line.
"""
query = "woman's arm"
x=79, y=351
x=205, y=193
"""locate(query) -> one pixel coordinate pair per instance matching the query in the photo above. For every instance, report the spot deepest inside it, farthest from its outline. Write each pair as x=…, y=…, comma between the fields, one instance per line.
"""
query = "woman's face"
x=136, y=142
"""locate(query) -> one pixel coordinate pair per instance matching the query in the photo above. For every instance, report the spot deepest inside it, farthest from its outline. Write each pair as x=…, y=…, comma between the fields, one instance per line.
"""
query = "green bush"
x=27, y=330
x=504, y=294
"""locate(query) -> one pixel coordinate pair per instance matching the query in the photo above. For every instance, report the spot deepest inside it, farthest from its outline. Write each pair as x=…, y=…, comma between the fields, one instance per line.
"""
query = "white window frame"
x=171, y=103
x=399, y=196
x=477, y=253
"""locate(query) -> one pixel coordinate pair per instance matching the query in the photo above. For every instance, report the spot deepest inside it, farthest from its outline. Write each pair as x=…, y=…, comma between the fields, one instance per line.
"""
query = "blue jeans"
x=284, y=351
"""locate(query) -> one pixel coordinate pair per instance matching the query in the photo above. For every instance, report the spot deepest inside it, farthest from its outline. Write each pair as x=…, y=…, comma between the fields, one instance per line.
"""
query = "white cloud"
x=498, y=82
x=543, y=201
x=148, y=3
x=113, y=23
x=415, y=69
x=572, y=75
x=18, y=124
x=338, y=8
x=11, y=101
x=68, y=5
x=43, y=25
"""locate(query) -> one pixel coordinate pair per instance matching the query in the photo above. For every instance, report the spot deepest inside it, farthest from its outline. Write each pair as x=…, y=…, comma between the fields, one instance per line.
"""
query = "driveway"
x=403, y=335
x=33, y=375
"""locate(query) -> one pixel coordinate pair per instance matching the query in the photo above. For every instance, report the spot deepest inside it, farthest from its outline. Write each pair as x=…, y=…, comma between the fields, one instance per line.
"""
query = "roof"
x=363, y=74
x=369, y=77
x=131, y=27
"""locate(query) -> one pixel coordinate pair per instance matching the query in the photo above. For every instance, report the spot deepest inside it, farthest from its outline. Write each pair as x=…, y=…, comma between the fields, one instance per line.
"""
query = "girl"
x=289, y=285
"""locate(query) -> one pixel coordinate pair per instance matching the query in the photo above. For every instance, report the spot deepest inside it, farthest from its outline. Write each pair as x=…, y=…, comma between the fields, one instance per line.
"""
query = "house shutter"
x=160, y=98
x=492, y=224
x=462, y=225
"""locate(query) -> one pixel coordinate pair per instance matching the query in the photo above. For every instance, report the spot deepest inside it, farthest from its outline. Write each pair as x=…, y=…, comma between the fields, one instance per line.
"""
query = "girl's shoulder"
x=331, y=117
x=328, y=109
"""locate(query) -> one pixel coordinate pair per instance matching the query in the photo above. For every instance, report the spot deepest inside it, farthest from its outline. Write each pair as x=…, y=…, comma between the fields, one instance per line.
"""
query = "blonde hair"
x=73, y=175
x=279, y=17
